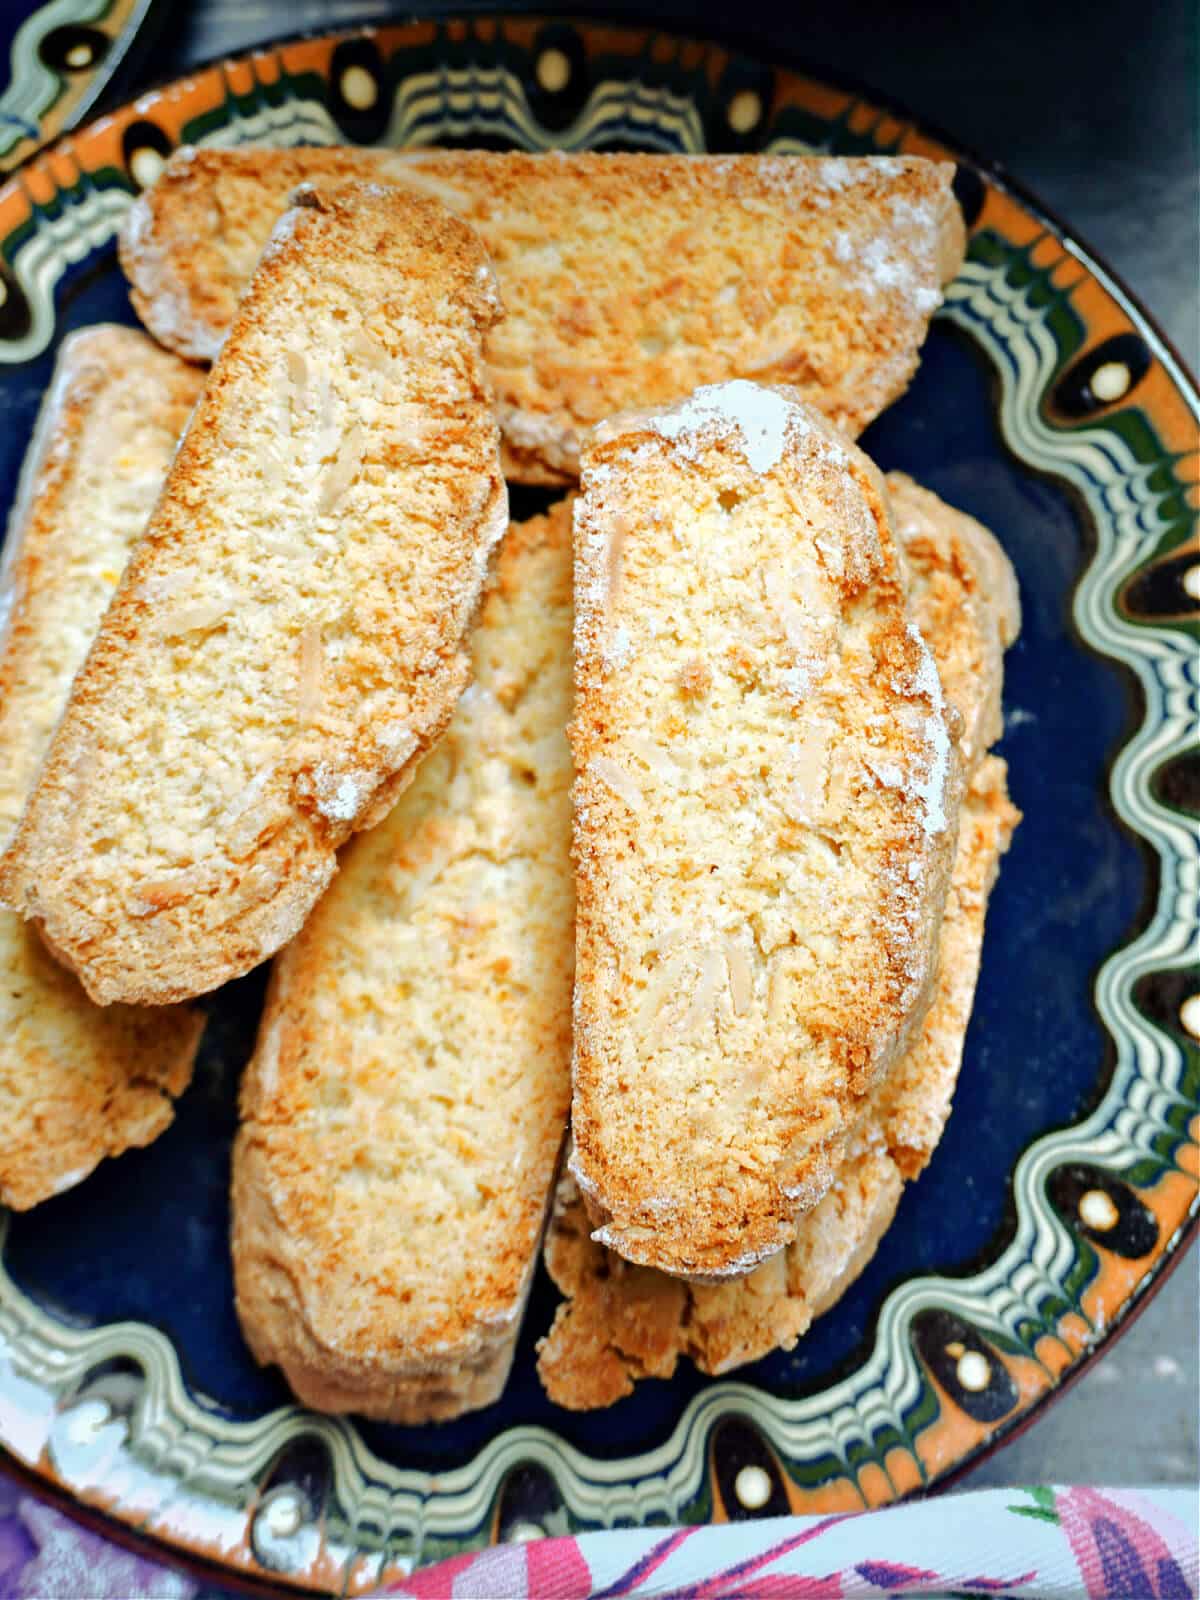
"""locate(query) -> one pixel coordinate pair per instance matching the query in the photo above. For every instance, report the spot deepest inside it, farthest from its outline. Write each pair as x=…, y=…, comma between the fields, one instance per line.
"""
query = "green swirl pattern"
x=172, y=1466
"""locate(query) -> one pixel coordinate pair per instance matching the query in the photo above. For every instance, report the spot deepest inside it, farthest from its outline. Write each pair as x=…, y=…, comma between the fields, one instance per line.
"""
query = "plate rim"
x=787, y=56
x=136, y=37
x=158, y=1547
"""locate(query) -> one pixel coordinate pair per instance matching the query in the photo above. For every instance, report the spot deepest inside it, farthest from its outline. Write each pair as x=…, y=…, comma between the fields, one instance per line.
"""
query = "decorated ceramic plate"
x=56, y=59
x=1048, y=406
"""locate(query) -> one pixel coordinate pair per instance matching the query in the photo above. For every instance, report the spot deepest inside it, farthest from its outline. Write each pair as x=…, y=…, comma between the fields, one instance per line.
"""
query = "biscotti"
x=77, y=1083
x=620, y=1323
x=766, y=801
x=629, y=279
x=287, y=640
x=964, y=598
x=405, y=1107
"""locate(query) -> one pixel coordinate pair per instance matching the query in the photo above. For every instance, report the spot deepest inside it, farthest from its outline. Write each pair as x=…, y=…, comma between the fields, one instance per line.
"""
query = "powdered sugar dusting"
x=886, y=268
x=68, y=1180
x=931, y=789
x=397, y=741
x=757, y=418
x=620, y=647
x=797, y=681
x=284, y=230
x=618, y=1239
x=339, y=795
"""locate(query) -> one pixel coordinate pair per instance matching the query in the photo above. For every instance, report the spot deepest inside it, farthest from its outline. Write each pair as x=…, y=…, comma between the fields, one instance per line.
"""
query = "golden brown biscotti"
x=77, y=1083
x=629, y=279
x=913, y=1103
x=620, y=1323
x=965, y=601
x=405, y=1107
x=287, y=641
x=766, y=801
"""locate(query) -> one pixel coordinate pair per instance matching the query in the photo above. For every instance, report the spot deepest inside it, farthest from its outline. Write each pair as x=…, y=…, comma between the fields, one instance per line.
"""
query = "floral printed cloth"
x=1044, y=1544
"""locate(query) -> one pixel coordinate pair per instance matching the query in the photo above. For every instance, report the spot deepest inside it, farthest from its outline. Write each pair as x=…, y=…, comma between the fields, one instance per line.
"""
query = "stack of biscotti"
x=287, y=640
x=621, y=1322
x=283, y=643
x=77, y=1083
x=779, y=912
x=766, y=806
x=627, y=279
x=403, y=1114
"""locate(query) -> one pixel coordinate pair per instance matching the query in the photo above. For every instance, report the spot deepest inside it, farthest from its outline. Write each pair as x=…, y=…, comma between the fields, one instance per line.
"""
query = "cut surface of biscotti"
x=286, y=642
x=405, y=1107
x=766, y=800
x=620, y=1322
x=965, y=601
x=77, y=1083
x=628, y=279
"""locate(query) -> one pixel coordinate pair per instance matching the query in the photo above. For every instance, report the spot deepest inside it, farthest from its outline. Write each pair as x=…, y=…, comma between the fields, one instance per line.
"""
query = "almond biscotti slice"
x=77, y=1083
x=620, y=1322
x=766, y=803
x=405, y=1107
x=629, y=279
x=287, y=641
x=965, y=601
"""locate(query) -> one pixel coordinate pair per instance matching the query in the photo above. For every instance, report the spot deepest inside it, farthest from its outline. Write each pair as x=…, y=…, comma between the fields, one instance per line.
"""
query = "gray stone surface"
x=1131, y=1419
x=1094, y=108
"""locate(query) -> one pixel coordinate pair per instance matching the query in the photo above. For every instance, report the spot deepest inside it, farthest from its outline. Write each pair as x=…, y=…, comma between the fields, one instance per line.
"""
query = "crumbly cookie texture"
x=287, y=641
x=77, y=1083
x=964, y=596
x=621, y=1322
x=405, y=1107
x=629, y=279
x=766, y=801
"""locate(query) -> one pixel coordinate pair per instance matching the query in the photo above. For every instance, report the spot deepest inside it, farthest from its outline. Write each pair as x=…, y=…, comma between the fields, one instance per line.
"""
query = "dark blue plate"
x=120, y=1356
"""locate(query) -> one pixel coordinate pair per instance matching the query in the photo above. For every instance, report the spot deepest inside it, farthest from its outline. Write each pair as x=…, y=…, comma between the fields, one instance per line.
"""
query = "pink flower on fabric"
x=557, y=1569
x=436, y=1582
x=888, y=1575
x=1121, y=1555
x=500, y=1572
x=549, y=1569
x=779, y=1586
x=745, y=1579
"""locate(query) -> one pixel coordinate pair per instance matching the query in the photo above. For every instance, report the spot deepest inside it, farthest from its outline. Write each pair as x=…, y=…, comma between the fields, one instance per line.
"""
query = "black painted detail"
x=119, y=1383
x=16, y=318
x=941, y=1339
x=970, y=191
x=143, y=135
x=736, y=1444
x=304, y=1466
x=1073, y=395
x=1160, y=995
x=363, y=117
x=1134, y=1233
x=1177, y=783
x=73, y=48
x=528, y=1494
x=1156, y=593
x=300, y=1476
x=557, y=103
x=740, y=80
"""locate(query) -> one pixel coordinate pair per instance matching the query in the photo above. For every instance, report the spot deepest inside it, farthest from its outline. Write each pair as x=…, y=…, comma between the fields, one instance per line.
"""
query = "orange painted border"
x=952, y=1438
